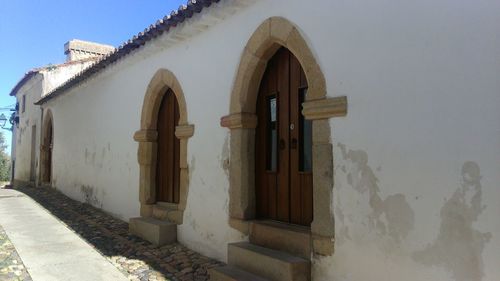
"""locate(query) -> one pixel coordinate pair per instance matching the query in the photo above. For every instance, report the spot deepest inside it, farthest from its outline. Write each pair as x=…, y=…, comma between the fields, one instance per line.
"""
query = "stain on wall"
x=89, y=196
x=458, y=247
x=392, y=216
x=342, y=230
x=94, y=158
x=224, y=158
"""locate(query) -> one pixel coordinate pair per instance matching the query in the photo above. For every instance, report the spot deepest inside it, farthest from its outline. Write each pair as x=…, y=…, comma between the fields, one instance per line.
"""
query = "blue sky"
x=33, y=32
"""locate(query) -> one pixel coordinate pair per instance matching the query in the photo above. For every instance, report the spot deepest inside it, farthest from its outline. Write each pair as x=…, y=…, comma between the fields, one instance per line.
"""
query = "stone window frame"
x=273, y=33
x=147, y=151
x=47, y=119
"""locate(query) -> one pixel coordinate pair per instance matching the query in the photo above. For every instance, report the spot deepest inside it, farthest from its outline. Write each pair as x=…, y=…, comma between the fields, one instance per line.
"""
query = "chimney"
x=78, y=50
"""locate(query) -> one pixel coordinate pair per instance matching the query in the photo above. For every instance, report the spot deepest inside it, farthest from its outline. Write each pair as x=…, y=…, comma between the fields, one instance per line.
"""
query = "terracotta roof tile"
x=161, y=26
x=34, y=71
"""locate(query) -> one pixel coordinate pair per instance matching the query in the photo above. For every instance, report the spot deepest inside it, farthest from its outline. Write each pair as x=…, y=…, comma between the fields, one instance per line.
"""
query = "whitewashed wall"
x=40, y=84
x=23, y=132
x=53, y=78
x=416, y=159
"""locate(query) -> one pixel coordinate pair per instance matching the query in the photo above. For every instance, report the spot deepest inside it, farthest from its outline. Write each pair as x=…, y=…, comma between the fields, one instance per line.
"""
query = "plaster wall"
x=415, y=159
x=42, y=83
x=23, y=132
x=57, y=76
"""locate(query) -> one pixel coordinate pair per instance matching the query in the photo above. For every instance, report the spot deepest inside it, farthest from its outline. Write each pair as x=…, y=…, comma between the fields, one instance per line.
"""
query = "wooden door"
x=283, y=144
x=46, y=153
x=167, y=169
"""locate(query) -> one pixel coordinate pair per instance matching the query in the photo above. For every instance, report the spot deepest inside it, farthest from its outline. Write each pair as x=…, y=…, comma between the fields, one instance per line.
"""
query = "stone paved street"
x=136, y=258
x=11, y=265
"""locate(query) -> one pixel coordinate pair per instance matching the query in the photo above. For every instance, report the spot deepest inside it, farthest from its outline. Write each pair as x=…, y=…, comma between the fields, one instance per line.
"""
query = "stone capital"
x=325, y=108
x=184, y=131
x=241, y=120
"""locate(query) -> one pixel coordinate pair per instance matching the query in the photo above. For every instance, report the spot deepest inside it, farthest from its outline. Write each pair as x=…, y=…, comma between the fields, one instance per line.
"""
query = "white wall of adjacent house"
x=54, y=77
x=26, y=152
x=27, y=141
x=416, y=159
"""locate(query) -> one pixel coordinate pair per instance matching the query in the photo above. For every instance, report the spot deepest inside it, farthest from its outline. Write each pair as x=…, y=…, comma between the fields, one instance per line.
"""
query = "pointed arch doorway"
x=162, y=152
x=167, y=168
x=283, y=148
x=243, y=120
x=47, y=147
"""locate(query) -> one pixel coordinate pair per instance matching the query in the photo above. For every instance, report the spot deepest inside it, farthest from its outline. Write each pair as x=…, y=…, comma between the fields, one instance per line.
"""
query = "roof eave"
x=23, y=81
x=160, y=27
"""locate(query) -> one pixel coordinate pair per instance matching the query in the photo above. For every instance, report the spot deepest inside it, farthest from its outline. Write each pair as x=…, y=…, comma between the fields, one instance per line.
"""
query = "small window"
x=272, y=134
x=23, y=105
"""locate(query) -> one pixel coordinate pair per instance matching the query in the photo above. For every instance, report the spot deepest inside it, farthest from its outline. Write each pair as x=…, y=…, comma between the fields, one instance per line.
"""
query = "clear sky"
x=33, y=32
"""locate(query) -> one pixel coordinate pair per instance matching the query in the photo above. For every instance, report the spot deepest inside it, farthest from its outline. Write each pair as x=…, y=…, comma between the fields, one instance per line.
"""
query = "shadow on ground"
x=137, y=258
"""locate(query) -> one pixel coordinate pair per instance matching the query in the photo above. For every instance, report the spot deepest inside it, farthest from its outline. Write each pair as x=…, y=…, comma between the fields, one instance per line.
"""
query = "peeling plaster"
x=392, y=216
x=343, y=232
x=459, y=247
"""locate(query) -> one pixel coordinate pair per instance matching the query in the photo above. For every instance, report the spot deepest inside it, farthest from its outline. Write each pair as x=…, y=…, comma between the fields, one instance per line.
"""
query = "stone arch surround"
x=242, y=121
x=147, y=138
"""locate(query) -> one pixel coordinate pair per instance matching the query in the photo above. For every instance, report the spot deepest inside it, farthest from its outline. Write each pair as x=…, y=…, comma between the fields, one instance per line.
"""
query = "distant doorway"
x=167, y=165
x=33, y=154
x=46, y=149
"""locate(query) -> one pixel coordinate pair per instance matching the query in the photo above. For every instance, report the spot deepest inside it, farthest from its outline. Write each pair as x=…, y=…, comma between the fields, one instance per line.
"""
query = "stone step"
x=293, y=239
x=231, y=273
x=268, y=263
x=160, y=212
x=167, y=212
x=158, y=232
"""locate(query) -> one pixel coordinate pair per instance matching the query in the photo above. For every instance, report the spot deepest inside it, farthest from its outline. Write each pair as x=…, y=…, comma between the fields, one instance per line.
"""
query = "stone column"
x=146, y=156
x=323, y=225
x=242, y=164
x=183, y=133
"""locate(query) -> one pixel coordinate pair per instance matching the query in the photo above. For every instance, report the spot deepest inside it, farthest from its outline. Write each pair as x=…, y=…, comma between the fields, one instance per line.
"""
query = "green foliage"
x=4, y=160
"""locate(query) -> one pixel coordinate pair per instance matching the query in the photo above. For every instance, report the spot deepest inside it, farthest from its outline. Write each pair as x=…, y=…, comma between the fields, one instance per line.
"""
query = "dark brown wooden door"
x=167, y=168
x=33, y=154
x=47, y=153
x=283, y=144
x=50, y=138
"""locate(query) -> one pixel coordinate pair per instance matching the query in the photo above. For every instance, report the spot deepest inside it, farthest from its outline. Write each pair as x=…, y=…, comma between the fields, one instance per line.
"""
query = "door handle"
x=293, y=145
x=282, y=144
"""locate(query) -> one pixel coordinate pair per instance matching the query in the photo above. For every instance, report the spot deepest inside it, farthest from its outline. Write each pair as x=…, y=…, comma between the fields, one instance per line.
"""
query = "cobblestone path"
x=11, y=265
x=134, y=256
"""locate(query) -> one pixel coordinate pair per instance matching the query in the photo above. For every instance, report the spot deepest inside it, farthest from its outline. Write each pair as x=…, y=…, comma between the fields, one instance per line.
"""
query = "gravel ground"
x=137, y=258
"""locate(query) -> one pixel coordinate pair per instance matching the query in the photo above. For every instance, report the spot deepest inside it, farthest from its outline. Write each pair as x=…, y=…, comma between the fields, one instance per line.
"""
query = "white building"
x=360, y=140
x=35, y=84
